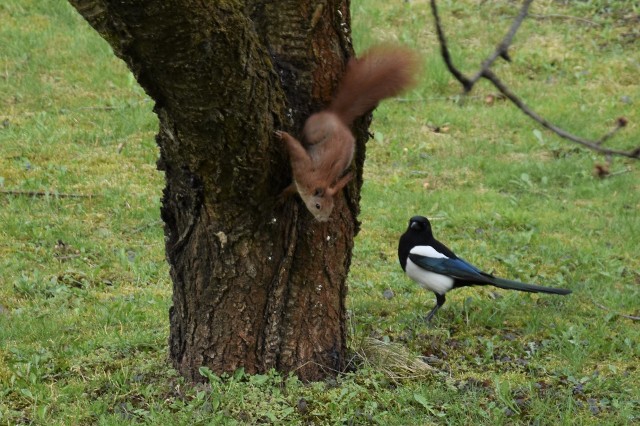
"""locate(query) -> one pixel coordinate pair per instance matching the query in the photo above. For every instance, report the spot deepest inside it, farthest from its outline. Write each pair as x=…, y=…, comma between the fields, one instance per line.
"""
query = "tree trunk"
x=257, y=283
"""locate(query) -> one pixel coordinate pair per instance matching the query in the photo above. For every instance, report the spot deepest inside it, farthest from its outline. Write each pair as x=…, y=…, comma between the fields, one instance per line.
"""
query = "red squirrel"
x=319, y=165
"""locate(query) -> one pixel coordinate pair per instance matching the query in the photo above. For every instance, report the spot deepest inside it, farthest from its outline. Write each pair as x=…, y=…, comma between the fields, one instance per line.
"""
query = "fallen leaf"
x=601, y=170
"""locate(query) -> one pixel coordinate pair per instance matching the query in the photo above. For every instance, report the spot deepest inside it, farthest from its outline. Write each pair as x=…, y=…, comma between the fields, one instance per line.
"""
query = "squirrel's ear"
x=340, y=184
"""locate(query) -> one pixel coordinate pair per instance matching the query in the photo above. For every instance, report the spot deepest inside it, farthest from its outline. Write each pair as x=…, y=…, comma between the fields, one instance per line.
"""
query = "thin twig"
x=485, y=72
x=96, y=108
x=107, y=108
x=619, y=172
x=68, y=256
x=594, y=145
x=444, y=49
x=621, y=123
x=44, y=194
x=455, y=98
x=145, y=226
x=631, y=317
x=558, y=16
x=503, y=47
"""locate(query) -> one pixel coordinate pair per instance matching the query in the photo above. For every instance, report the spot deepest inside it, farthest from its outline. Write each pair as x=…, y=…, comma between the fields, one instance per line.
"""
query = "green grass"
x=85, y=292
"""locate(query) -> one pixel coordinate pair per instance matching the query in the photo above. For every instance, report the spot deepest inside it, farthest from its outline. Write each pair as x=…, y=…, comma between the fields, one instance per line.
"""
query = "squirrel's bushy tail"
x=382, y=72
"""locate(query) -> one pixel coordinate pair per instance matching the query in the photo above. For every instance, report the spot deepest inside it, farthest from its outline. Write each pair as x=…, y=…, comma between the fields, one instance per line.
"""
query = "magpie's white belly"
x=429, y=280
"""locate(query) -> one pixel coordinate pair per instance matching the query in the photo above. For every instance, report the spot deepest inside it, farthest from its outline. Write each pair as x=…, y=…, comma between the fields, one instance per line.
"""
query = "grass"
x=84, y=288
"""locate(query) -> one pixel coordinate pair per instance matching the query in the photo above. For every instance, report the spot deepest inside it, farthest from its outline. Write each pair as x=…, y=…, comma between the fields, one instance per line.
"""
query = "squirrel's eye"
x=318, y=206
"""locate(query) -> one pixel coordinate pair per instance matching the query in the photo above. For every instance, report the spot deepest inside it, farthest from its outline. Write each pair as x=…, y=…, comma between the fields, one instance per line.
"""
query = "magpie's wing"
x=465, y=273
x=455, y=268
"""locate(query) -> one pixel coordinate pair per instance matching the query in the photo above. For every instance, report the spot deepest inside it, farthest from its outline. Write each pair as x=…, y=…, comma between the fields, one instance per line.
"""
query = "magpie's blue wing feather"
x=470, y=266
x=465, y=274
x=454, y=268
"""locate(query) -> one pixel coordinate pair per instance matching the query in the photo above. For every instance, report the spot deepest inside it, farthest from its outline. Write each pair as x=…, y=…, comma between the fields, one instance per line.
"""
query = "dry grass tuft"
x=394, y=360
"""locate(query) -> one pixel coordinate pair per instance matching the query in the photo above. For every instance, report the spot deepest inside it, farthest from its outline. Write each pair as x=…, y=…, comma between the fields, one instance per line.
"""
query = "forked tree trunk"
x=256, y=283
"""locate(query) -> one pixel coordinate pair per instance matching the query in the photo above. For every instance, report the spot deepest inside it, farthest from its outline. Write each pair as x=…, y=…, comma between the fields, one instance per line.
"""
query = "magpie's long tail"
x=516, y=285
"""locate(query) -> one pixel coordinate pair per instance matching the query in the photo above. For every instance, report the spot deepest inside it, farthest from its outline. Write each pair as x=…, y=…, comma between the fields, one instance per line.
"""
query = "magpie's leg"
x=440, y=299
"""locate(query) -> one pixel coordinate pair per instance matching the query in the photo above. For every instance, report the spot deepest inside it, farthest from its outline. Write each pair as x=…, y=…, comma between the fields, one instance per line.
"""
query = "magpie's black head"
x=418, y=233
x=419, y=224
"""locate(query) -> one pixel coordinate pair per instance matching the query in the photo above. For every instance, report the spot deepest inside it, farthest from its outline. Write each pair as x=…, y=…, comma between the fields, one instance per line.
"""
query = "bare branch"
x=485, y=72
x=444, y=49
x=631, y=317
x=594, y=145
x=557, y=16
x=502, y=49
x=44, y=194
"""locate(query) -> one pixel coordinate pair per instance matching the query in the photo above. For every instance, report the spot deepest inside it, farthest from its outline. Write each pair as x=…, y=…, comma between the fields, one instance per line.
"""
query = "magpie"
x=434, y=267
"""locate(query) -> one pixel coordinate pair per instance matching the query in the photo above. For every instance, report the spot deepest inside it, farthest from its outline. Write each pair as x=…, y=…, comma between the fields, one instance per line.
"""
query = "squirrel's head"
x=319, y=200
x=319, y=203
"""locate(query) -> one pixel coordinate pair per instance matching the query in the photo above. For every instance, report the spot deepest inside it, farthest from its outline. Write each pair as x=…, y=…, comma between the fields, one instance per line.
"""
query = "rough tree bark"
x=256, y=284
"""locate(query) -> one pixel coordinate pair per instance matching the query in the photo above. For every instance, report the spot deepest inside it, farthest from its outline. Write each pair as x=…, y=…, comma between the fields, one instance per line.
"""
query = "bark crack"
x=277, y=295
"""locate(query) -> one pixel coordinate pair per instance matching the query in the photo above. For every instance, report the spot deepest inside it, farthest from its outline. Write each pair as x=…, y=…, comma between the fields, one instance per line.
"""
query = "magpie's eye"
x=318, y=206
